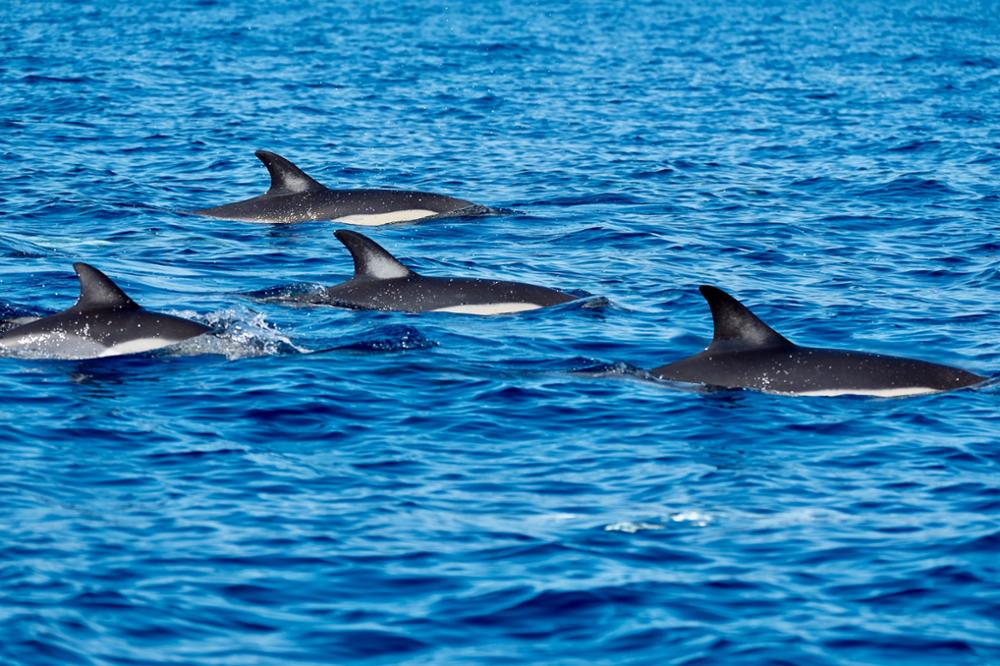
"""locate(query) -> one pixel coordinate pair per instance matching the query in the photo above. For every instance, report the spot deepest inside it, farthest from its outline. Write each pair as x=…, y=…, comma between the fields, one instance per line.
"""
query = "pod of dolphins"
x=745, y=353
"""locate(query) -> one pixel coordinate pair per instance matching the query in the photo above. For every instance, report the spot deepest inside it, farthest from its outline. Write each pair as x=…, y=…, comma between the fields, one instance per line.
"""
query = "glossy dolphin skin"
x=295, y=197
x=747, y=353
x=381, y=282
x=103, y=322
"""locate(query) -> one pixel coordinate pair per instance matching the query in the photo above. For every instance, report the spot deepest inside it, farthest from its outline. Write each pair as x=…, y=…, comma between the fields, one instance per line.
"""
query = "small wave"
x=604, y=235
x=945, y=19
x=386, y=339
x=820, y=184
x=475, y=210
x=303, y=293
x=180, y=457
x=590, y=200
x=32, y=79
x=692, y=517
x=586, y=304
x=664, y=172
x=991, y=383
x=603, y=369
x=629, y=527
x=824, y=95
x=18, y=248
x=910, y=186
x=914, y=146
x=356, y=644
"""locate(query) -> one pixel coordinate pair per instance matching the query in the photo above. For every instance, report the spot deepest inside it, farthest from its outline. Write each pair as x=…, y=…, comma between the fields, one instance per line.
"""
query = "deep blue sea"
x=323, y=486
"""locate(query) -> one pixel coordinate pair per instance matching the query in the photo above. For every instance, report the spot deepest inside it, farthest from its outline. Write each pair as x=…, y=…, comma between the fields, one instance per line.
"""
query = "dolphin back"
x=294, y=196
x=104, y=321
x=747, y=353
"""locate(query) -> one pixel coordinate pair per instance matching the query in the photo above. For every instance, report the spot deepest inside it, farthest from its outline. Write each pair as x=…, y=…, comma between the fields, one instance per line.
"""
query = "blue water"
x=318, y=486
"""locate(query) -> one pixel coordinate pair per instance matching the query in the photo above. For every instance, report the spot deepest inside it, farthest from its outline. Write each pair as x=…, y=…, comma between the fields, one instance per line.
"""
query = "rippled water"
x=314, y=485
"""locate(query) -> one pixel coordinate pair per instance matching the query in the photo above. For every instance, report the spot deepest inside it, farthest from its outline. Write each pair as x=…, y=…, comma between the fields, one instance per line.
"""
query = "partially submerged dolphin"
x=103, y=322
x=295, y=197
x=14, y=322
x=747, y=353
x=381, y=282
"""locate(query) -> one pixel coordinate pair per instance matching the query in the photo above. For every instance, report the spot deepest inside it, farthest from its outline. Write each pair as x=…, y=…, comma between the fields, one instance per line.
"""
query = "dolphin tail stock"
x=371, y=260
x=736, y=327
x=286, y=178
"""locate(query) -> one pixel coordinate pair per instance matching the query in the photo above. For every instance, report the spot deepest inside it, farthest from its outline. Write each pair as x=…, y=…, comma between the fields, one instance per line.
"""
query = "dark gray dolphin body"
x=295, y=197
x=747, y=353
x=103, y=322
x=381, y=282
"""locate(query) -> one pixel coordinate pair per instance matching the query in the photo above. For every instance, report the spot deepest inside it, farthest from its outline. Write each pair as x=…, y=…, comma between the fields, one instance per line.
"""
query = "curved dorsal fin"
x=98, y=292
x=371, y=260
x=736, y=328
x=286, y=178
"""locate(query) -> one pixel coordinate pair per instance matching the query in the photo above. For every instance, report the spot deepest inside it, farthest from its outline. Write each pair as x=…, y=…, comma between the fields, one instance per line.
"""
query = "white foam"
x=375, y=220
x=628, y=527
x=489, y=308
x=876, y=393
x=693, y=516
x=238, y=333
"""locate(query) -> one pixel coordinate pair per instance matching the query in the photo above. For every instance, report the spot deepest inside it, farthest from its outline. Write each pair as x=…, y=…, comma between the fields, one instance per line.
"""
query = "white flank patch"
x=877, y=393
x=489, y=308
x=387, y=218
x=55, y=344
x=137, y=346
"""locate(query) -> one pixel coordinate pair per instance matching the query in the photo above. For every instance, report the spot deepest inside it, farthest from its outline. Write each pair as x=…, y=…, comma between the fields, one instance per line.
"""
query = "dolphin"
x=747, y=353
x=14, y=322
x=103, y=322
x=381, y=282
x=12, y=316
x=295, y=197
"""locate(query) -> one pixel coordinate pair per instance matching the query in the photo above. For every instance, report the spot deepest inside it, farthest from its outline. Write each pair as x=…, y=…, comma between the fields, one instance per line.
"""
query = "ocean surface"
x=320, y=486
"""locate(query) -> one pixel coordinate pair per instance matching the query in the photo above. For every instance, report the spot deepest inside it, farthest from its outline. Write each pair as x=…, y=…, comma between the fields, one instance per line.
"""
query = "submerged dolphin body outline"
x=296, y=197
x=747, y=353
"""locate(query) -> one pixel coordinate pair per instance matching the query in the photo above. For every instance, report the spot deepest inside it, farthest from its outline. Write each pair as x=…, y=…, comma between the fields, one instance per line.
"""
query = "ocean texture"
x=321, y=486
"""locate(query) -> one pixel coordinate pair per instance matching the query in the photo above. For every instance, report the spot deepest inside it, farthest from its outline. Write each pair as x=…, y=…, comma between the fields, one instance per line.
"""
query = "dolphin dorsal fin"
x=98, y=292
x=371, y=260
x=736, y=328
x=286, y=178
